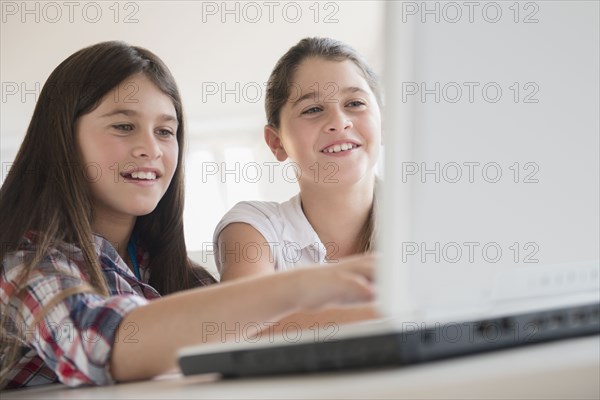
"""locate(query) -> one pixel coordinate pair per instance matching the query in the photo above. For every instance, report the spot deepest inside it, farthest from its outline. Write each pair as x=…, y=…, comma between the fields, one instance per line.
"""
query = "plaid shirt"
x=73, y=342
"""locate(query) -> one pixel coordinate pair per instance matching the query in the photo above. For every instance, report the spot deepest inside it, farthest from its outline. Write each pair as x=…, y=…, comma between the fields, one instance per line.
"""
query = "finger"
x=363, y=265
x=359, y=289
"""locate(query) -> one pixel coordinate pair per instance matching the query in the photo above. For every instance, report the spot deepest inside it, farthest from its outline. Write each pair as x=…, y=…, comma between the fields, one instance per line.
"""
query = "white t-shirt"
x=291, y=238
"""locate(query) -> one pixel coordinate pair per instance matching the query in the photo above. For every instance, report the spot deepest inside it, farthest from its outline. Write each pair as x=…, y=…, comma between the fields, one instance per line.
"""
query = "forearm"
x=327, y=318
x=163, y=326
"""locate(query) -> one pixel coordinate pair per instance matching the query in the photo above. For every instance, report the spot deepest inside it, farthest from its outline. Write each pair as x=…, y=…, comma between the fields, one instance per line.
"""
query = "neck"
x=338, y=214
x=114, y=228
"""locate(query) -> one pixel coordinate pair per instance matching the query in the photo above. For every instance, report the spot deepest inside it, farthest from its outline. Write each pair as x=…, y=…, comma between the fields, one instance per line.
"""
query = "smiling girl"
x=92, y=235
x=323, y=114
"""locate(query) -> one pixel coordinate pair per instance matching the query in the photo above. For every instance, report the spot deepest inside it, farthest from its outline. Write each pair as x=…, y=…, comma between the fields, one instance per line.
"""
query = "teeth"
x=143, y=175
x=339, y=147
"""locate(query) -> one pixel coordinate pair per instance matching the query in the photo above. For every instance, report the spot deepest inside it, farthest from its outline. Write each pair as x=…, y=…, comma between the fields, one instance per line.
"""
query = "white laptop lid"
x=491, y=192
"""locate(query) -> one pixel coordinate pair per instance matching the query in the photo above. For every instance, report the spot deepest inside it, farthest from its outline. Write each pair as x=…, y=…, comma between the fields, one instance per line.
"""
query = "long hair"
x=46, y=190
x=281, y=81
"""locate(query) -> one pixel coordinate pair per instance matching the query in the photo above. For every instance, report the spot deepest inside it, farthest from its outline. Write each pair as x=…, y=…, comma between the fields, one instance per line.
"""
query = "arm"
x=326, y=318
x=86, y=338
x=236, y=263
x=166, y=324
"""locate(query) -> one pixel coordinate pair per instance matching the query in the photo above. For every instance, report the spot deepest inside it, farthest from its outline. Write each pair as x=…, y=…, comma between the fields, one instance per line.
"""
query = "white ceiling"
x=199, y=48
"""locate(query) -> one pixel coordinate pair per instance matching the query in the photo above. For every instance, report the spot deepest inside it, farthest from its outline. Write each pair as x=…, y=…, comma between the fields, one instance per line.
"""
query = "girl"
x=92, y=235
x=323, y=113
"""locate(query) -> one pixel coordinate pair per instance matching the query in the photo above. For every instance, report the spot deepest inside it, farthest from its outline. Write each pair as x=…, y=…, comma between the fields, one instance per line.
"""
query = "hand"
x=346, y=282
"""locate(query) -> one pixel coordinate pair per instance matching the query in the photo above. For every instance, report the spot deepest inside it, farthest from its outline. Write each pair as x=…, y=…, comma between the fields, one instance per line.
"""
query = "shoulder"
x=58, y=258
x=61, y=264
x=245, y=209
x=267, y=217
x=250, y=223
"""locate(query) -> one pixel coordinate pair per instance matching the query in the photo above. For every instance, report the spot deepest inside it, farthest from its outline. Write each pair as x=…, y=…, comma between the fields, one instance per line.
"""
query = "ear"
x=273, y=140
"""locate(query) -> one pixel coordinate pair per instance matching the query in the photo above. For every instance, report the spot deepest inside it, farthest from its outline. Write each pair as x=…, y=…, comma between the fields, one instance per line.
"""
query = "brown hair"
x=46, y=190
x=281, y=81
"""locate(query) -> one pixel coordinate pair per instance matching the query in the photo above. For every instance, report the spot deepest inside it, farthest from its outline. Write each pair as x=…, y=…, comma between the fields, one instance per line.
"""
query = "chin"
x=141, y=211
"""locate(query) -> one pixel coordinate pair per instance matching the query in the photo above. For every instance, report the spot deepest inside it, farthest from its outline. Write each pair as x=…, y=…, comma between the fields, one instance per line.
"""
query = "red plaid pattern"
x=72, y=343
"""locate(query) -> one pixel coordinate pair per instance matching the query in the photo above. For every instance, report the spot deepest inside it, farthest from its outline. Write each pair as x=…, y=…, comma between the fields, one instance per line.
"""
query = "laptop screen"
x=492, y=154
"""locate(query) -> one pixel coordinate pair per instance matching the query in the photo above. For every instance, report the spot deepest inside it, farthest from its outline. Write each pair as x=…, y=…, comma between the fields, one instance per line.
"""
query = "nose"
x=338, y=122
x=147, y=146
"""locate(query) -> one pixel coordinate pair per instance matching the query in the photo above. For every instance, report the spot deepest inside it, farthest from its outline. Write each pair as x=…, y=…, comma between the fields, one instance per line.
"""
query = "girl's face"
x=129, y=148
x=330, y=125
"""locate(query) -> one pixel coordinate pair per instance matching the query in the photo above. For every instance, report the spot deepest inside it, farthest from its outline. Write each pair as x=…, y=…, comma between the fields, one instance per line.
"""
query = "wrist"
x=297, y=291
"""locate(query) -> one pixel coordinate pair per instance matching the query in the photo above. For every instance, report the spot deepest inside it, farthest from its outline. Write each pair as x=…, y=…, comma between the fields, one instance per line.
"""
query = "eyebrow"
x=133, y=113
x=349, y=89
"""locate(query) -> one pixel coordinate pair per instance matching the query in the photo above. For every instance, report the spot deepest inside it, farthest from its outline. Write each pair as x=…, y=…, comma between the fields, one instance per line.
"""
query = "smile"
x=336, y=148
x=140, y=175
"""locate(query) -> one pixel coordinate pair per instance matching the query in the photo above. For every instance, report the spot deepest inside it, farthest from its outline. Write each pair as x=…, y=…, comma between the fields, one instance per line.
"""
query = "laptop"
x=489, y=205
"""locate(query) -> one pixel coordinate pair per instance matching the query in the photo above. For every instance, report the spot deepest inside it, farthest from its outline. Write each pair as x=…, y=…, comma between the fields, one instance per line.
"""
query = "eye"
x=312, y=110
x=356, y=103
x=123, y=127
x=165, y=133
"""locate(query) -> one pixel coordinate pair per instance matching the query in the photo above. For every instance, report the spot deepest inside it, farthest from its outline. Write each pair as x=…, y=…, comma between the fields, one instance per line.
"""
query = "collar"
x=296, y=228
x=105, y=249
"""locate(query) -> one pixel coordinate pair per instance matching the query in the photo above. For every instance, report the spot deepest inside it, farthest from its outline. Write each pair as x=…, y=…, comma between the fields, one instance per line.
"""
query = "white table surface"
x=568, y=369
